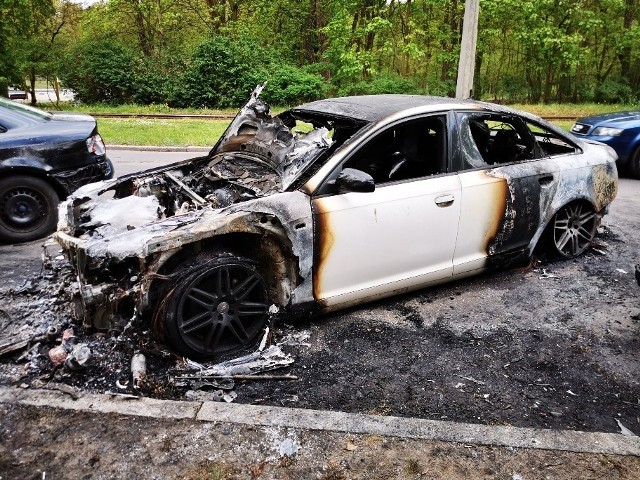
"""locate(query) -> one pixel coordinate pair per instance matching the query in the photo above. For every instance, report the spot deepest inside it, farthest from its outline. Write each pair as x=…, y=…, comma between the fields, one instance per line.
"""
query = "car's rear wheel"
x=574, y=227
x=218, y=308
x=634, y=163
x=28, y=208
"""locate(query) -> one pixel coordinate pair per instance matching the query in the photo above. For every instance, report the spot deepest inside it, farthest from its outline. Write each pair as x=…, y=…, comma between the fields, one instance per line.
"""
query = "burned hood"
x=287, y=148
x=258, y=156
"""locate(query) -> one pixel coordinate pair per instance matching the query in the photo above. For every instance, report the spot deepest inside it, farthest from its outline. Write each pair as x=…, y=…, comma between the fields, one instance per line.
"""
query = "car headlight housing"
x=96, y=145
x=607, y=132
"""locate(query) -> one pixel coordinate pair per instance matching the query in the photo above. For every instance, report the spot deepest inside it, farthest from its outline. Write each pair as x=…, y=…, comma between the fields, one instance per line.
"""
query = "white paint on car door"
x=400, y=237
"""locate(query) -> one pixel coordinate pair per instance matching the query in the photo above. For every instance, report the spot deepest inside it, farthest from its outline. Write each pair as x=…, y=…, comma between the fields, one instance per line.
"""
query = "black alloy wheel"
x=219, y=309
x=28, y=208
x=574, y=228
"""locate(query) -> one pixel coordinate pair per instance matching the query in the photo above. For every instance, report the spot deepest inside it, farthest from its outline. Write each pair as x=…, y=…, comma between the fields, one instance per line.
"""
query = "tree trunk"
x=32, y=86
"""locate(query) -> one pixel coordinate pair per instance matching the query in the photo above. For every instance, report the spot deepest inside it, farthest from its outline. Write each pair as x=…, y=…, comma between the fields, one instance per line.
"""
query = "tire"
x=634, y=163
x=573, y=229
x=28, y=209
x=217, y=309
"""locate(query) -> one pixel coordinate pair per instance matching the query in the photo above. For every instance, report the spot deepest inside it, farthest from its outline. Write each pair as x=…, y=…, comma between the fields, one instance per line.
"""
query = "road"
x=130, y=161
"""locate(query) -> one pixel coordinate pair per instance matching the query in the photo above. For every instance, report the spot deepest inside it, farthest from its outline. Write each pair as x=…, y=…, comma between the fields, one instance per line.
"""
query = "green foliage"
x=388, y=83
x=156, y=81
x=100, y=71
x=4, y=86
x=21, y=22
x=289, y=85
x=512, y=88
x=222, y=73
x=528, y=50
x=613, y=91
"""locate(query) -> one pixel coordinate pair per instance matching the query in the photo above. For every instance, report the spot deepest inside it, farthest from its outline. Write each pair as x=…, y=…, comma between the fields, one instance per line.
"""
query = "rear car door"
x=507, y=182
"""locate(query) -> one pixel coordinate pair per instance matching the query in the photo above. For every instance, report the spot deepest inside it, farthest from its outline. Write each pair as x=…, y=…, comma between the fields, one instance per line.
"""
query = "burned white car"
x=327, y=205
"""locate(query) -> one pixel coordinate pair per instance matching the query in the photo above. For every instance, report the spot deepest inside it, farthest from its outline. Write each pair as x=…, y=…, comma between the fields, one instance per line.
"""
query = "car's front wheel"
x=217, y=308
x=28, y=208
x=574, y=228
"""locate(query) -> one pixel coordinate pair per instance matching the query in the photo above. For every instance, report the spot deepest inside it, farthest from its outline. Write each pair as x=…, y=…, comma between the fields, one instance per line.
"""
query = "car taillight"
x=96, y=145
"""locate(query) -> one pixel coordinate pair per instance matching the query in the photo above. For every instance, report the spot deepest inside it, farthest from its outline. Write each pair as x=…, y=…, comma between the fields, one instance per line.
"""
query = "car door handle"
x=445, y=200
x=545, y=179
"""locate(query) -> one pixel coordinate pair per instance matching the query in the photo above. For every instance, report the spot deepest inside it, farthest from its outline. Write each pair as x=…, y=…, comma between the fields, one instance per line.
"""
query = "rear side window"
x=489, y=139
x=550, y=143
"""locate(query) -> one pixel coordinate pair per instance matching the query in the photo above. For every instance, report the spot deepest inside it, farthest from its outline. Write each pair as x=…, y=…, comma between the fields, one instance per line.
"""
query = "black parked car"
x=43, y=158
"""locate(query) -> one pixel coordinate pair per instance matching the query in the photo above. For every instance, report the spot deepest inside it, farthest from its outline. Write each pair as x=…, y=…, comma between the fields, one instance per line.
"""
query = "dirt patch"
x=40, y=442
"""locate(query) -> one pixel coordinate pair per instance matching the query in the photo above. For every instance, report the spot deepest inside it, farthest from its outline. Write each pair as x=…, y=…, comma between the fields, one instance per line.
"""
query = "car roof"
x=372, y=108
x=376, y=108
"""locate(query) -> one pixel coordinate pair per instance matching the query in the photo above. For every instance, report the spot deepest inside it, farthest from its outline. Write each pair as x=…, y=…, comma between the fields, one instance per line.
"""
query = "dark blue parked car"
x=619, y=130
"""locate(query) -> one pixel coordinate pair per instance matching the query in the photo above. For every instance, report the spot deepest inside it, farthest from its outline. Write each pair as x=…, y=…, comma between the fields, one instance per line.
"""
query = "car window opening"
x=411, y=150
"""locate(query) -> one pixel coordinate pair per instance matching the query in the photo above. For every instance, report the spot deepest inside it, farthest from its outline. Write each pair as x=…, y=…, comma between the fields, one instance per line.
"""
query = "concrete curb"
x=412, y=428
x=154, y=148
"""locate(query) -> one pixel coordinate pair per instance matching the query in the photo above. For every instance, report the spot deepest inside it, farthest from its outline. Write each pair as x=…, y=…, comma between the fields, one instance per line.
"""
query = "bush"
x=386, y=83
x=156, y=81
x=289, y=85
x=614, y=91
x=4, y=87
x=100, y=71
x=222, y=74
x=512, y=89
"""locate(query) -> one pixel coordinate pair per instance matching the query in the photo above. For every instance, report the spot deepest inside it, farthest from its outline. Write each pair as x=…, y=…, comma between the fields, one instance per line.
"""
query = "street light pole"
x=466, y=65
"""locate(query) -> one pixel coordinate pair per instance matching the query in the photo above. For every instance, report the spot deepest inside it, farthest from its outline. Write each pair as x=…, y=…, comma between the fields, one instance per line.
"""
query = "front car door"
x=400, y=236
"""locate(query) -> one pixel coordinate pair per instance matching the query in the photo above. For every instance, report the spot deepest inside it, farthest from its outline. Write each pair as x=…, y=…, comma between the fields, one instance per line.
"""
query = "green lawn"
x=206, y=132
x=132, y=131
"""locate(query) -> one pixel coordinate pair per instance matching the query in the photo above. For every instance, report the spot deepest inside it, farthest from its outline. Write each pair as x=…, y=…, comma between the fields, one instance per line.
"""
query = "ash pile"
x=43, y=345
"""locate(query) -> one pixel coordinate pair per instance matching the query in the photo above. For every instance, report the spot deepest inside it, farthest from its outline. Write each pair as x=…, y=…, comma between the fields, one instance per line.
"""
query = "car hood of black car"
x=54, y=131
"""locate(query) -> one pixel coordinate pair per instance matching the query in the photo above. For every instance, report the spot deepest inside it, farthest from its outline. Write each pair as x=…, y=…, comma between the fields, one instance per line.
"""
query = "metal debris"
x=79, y=357
x=624, y=430
x=230, y=396
x=471, y=379
x=270, y=358
x=288, y=448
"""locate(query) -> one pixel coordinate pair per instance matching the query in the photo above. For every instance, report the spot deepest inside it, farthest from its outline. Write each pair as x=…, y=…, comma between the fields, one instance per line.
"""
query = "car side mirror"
x=353, y=180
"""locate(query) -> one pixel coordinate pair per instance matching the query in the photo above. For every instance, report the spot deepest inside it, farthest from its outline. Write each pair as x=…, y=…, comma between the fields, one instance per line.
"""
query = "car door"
x=400, y=236
x=507, y=180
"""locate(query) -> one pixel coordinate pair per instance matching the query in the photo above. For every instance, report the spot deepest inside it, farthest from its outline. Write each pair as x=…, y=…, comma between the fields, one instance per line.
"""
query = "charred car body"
x=328, y=205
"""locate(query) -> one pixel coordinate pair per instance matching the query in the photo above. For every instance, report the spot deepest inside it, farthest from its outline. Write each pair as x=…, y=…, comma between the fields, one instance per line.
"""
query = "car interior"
x=411, y=150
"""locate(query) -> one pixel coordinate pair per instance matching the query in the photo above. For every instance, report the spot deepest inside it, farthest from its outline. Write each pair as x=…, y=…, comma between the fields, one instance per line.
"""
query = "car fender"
x=632, y=146
x=31, y=166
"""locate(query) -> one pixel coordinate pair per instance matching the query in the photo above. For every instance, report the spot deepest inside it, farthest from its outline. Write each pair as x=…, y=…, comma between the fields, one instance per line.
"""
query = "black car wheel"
x=574, y=227
x=28, y=209
x=218, y=308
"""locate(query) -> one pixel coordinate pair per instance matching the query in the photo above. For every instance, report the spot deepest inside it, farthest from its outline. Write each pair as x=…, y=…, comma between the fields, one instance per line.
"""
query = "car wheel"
x=28, y=208
x=218, y=308
x=574, y=227
x=634, y=163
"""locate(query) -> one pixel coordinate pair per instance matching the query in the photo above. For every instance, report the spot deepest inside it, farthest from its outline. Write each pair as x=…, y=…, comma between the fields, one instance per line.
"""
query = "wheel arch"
x=274, y=259
x=544, y=232
x=34, y=170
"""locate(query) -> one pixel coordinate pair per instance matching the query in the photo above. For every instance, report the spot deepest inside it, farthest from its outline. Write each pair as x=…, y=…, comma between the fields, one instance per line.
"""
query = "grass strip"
x=133, y=131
